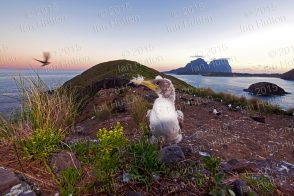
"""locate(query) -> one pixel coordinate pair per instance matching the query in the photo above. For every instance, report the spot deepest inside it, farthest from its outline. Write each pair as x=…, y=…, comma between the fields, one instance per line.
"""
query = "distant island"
x=200, y=66
x=222, y=68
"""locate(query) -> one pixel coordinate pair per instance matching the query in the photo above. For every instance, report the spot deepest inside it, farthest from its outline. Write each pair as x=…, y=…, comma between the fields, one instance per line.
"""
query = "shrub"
x=138, y=109
x=143, y=161
x=42, y=108
x=109, y=155
x=260, y=183
x=86, y=152
x=215, y=177
x=41, y=143
x=68, y=180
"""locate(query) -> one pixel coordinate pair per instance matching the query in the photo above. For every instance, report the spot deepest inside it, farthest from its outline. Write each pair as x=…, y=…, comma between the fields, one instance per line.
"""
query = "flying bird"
x=165, y=121
x=46, y=58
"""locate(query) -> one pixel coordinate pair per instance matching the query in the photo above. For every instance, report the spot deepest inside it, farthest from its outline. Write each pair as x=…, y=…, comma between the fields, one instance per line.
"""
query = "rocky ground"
x=244, y=140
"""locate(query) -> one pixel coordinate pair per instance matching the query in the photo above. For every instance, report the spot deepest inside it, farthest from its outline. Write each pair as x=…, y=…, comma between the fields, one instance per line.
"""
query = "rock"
x=260, y=119
x=133, y=193
x=265, y=89
x=21, y=189
x=243, y=166
x=241, y=188
x=63, y=160
x=8, y=179
x=12, y=184
x=170, y=154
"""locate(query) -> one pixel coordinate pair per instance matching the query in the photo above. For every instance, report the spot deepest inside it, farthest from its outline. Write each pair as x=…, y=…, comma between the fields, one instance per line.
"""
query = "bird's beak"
x=150, y=85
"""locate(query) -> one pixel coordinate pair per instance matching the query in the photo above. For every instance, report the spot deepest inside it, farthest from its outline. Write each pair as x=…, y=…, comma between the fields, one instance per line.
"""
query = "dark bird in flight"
x=46, y=58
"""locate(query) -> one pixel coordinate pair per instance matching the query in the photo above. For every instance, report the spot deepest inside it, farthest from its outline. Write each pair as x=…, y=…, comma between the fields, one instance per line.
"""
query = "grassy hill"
x=123, y=69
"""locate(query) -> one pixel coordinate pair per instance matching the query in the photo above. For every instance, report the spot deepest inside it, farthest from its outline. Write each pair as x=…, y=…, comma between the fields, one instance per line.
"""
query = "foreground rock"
x=63, y=160
x=10, y=184
x=170, y=154
x=265, y=89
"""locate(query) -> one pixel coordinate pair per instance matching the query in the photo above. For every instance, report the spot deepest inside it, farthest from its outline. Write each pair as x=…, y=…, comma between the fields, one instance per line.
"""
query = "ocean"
x=9, y=101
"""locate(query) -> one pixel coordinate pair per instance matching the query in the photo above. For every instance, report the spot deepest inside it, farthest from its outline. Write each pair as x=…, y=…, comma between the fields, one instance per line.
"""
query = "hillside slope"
x=288, y=75
x=121, y=69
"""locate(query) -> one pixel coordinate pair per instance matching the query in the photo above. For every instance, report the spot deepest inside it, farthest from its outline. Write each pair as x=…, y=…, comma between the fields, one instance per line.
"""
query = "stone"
x=243, y=166
x=133, y=193
x=63, y=160
x=265, y=89
x=170, y=154
x=8, y=179
x=260, y=119
x=241, y=188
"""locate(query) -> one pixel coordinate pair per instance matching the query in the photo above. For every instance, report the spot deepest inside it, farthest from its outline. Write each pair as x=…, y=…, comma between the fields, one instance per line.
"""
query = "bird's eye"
x=157, y=82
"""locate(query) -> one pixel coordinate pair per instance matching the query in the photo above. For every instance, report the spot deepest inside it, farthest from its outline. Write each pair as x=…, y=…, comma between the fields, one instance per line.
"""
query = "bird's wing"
x=46, y=56
x=180, y=118
x=39, y=61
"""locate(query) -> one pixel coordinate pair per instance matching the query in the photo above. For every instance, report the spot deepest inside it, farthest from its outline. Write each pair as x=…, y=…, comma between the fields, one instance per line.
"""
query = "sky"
x=256, y=35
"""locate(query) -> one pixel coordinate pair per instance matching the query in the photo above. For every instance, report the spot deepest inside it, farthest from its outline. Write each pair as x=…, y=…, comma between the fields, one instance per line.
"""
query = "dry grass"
x=138, y=109
x=45, y=109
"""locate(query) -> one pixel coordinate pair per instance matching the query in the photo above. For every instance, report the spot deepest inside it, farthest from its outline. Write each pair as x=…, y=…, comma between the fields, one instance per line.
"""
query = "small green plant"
x=68, y=180
x=109, y=155
x=86, y=152
x=41, y=143
x=215, y=177
x=143, y=160
x=260, y=183
x=111, y=139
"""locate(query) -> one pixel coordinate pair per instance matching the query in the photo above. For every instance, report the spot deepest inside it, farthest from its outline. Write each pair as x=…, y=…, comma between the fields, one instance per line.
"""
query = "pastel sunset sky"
x=256, y=35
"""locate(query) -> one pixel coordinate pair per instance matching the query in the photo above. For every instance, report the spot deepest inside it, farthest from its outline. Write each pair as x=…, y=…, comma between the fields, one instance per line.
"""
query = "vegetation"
x=138, y=109
x=45, y=109
x=260, y=183
x=143, y=161
x=69, y=178
x=41, y=143
x=109, y=155
x=250, y=105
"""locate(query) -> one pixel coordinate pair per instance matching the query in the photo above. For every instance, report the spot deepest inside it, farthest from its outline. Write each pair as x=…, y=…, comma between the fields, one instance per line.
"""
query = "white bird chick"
x=165, y=120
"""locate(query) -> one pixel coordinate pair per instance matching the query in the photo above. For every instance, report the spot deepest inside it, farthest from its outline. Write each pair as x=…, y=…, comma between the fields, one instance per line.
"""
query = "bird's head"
x=161, y=86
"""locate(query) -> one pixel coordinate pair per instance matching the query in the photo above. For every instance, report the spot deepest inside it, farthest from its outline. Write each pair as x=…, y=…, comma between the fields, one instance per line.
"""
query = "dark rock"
x=244, y=166
x=233, y=161
x=8, y=179
x=265, y=89
x=133, y=193
x=260, y=119
x=14, y=184
x=241, y=188
x=170, y=154
x=63, y=160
